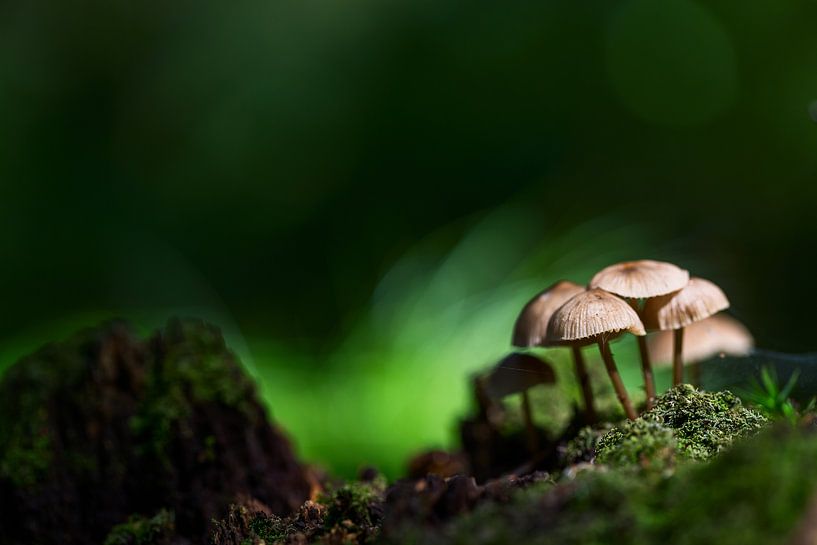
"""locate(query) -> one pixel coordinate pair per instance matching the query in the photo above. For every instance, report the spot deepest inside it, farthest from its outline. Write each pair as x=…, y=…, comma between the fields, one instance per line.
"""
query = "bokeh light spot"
x=670, y=62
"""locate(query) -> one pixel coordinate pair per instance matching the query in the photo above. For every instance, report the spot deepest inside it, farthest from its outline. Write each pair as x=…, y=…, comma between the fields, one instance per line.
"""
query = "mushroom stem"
x=483, y=400
x=533, y=440
x=646, y=364
x=678, y=356
x=584, y=382
x=646, y=370
x=610, y=364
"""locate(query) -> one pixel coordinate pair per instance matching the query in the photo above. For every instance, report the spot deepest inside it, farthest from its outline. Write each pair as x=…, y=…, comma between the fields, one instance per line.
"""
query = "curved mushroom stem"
x=584, y=382
x=678, y=356
x=610, y=364
x=533, y=439
x=646, y=364
x=646, y=370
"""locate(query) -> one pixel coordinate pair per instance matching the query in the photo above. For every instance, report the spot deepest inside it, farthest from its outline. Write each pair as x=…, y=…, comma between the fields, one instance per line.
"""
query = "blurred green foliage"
x=364, y=193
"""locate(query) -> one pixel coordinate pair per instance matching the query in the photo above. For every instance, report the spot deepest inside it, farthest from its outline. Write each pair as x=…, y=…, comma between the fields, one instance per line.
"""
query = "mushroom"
x=642, y=279
x=596, y=316
x=530, y=329
x=698, y=300
x=718, y=334
x=516, y=374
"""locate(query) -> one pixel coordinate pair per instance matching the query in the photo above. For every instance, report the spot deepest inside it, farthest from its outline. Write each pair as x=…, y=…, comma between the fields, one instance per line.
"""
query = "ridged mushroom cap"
x=530, y=328
x=718, y=334
x=640, y=279
x=698, y=300
x=517, y=373
x=589, y=315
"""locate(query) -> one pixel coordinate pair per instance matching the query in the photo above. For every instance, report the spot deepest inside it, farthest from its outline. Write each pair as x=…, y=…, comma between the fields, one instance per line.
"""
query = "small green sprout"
x=774, y=400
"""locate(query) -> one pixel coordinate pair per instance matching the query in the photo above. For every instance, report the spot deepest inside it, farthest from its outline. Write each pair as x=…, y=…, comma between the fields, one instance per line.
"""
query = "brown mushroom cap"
x=640, y=279
x=697, y=300
x=718, y=334
x=531, y=325
x=517, y=373
x=590, y=314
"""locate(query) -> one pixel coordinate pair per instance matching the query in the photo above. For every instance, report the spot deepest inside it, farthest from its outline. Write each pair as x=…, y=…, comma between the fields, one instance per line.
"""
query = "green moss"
x=26, y=450
x=269, y=529
x=704, y=422
x=700, y=424
x=582, y=448
x=593, y=509
x=349, y=514
x=139, y=530
x=642, y=443
x=352, y=502
x=195, y=367
x=754, y=493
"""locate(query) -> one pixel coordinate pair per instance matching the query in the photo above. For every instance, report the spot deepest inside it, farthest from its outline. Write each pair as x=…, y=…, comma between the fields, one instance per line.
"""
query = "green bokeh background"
x=363, y=194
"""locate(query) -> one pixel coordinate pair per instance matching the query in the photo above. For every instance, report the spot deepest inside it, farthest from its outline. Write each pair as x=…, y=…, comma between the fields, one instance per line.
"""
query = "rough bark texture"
x=104, y=426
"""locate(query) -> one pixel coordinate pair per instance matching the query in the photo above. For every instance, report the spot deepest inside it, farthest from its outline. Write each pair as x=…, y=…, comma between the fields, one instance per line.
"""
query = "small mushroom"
x=596, y=316
x=642, y=279
x=698, y=300
x=720, y=334
x=516, y=374
x=531, y=330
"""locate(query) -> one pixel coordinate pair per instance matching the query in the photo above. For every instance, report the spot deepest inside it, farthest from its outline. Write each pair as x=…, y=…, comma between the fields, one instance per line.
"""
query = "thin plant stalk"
x=678, y=357
x=533, y=438
x=584, y=383
x=646, y=370
x=615, y=378
x=646, y=364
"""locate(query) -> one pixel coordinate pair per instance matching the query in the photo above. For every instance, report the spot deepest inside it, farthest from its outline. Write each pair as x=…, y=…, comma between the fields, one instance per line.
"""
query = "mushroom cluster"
x=635, y=297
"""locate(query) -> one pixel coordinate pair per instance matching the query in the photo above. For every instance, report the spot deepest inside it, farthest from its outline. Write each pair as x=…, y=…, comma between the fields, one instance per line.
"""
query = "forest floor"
x=109, y=438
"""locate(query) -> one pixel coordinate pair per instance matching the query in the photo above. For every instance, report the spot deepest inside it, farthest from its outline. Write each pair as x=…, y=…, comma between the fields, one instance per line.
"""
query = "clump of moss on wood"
x=689, y=423
x=192, y=372
x=139, y=530
x=358, y=503
x=639, y=443
x=348, y=514
x=754, y=493
x=26, y=450
x=582, y=448
x=105, y=424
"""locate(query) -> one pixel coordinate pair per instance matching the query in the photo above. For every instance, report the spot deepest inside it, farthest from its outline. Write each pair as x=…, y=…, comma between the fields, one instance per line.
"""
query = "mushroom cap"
x=516, y=373
x=640, y=279
x=530, y=328
x=590, y=314
x=697, y=300
x=718, y=334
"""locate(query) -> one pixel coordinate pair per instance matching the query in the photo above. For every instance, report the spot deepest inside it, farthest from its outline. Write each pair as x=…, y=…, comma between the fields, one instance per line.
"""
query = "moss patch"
x=753, y=494
x=349, y=514
x=358, y=503
x=139, y=530
x=695, y=425
x=642, y=443
x=26, y=450
x=582, y=448
x=197, y=368
x=106, y=424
